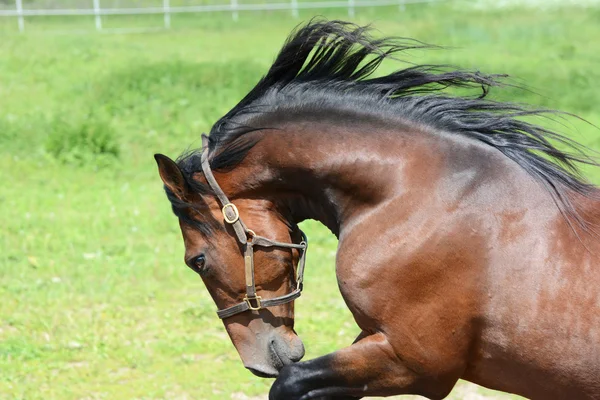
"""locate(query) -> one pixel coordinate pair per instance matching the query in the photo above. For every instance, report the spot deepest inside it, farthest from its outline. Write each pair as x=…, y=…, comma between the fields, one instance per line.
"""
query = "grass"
x=95, y=302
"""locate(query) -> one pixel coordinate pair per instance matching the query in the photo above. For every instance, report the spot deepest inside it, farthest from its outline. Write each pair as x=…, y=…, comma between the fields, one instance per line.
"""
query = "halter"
x=249, y=240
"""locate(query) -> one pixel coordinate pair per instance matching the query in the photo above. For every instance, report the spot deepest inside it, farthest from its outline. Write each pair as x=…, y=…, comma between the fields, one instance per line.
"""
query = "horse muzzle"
x=279, y=352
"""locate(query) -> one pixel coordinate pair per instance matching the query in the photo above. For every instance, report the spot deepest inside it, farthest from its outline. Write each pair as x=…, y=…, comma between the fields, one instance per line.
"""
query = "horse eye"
x=197, y=264
x=200, y=261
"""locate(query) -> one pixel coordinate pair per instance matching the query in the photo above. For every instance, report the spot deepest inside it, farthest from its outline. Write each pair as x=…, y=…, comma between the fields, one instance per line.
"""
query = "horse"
x=467, y=243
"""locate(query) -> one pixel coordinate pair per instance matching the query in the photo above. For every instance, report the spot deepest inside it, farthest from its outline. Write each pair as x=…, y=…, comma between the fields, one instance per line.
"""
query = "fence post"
x=19, y=5
x=295, y=8
x=97, y=14
x=167, y=7
x=234, y=13
x=351, y=8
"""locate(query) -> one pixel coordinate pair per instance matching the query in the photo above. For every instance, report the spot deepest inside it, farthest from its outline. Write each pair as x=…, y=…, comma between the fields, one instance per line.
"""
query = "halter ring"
x=248, y=301
x=236, y=216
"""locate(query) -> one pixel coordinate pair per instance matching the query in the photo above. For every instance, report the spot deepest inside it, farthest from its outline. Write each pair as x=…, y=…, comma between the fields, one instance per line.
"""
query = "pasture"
x=95, y=300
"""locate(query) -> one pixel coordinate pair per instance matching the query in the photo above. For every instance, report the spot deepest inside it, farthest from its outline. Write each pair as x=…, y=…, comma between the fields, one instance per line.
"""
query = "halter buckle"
x=248, y=301
x=236, y=216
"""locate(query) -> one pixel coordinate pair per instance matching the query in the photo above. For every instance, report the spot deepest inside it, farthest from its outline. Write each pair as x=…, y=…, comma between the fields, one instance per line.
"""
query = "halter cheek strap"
x=249, y=240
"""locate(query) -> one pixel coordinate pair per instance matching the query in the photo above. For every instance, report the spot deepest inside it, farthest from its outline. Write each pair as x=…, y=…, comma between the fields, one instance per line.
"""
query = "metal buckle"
x=235, y=210
x=248, y=301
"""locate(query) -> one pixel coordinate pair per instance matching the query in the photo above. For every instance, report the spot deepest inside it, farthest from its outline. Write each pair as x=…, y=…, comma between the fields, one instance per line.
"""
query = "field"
x=95, y=301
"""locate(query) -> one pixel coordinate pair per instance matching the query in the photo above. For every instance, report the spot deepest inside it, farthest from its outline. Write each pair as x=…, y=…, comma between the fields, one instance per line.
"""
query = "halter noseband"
x=249, y=239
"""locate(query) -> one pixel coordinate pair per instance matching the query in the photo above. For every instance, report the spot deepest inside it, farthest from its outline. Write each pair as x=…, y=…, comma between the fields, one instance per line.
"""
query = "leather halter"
x=249, y=240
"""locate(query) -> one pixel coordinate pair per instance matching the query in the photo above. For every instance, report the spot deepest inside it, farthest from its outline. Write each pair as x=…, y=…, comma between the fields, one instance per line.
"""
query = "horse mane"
x=331, y=63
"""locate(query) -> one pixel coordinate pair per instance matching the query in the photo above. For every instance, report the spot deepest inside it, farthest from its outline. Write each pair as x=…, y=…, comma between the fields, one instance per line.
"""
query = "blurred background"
x=95, y=300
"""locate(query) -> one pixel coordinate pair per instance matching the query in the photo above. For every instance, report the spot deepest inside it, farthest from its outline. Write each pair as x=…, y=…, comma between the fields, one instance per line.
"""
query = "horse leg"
x=360, y=336
x=371, y=366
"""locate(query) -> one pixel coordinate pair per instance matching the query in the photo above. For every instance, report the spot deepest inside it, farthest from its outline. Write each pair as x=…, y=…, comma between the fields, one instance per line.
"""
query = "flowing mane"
x=329, y=65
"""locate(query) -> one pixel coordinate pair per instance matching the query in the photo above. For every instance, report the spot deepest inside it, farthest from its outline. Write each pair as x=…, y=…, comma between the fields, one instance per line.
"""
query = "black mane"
x=329, y=64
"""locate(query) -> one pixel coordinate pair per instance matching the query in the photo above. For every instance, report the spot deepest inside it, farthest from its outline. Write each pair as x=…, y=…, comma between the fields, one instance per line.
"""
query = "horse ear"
x=171, y=175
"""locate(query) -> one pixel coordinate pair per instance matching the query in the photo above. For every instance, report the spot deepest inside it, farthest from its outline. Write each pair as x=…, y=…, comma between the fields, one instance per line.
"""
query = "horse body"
x=490, y=306
x=542, y=318
x=459, y=257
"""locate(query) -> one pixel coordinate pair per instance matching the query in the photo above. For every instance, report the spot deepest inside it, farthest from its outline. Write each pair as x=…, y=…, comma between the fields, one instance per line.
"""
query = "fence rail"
x=233, y=6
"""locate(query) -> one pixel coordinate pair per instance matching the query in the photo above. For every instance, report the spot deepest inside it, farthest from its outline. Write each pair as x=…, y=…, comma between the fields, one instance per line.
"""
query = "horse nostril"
x=276, y=354
x=296, y=357
x=284, y=353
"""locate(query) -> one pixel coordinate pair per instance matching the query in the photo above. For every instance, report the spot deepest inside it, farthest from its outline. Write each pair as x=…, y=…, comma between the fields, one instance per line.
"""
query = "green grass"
x=95, y=301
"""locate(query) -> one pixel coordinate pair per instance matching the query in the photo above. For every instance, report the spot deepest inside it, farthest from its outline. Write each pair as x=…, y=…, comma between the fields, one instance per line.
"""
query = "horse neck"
x=331, y=174
x=337, y=174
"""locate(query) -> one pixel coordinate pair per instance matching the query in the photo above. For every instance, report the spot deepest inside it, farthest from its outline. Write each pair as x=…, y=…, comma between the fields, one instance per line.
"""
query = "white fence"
x=94, y=8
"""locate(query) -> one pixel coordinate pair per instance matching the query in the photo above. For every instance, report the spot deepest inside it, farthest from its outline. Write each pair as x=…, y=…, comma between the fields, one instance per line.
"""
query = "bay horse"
x=467, y=243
